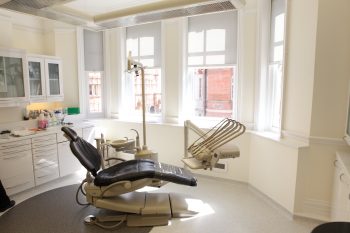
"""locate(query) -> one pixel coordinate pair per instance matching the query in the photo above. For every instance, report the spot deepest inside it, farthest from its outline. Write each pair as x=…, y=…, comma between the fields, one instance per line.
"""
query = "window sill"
x=276, y=137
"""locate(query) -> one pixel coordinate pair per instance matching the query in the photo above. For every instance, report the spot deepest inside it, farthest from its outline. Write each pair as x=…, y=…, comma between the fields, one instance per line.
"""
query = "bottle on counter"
x=42, y=121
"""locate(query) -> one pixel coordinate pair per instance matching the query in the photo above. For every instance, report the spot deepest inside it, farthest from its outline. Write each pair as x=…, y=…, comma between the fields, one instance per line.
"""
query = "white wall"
x=36, y=35
x=332, y=69
x=316, y=76
x=66, y=49
x=247, y=61
x=299, y=65
x=168, y=142
x=172, y=70
x=273, y=170
x=329, y=106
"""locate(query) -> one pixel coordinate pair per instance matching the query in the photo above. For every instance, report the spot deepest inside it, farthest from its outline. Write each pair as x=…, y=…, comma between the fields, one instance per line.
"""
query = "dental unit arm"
x=209, y=148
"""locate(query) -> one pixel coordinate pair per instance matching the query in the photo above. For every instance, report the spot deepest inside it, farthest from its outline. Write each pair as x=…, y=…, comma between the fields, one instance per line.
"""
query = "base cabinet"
x=36, y=160
x=16, y=166
x=341, y=188
x=68, y=163
x=45, y=161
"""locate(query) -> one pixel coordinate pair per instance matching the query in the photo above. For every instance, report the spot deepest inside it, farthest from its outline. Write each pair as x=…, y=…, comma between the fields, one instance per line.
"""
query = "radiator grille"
x=42, y=8
x=168, y=14
x=30, y=5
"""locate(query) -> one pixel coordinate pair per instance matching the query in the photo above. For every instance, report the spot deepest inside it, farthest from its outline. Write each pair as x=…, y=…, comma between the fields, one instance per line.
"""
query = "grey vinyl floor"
x=225, y=207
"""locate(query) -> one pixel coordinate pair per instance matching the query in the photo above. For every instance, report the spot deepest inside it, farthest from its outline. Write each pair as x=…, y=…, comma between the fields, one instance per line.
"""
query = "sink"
x=123, y=144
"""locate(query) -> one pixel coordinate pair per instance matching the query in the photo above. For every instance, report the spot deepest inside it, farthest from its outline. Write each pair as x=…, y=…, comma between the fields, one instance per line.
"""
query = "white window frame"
x=103, y=96
x=267, y=87
x=187, y=106
x=128, y=112
x=83, y=80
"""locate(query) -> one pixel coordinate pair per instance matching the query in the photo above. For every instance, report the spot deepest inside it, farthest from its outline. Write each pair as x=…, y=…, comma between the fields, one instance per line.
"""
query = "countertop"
x=50, y=130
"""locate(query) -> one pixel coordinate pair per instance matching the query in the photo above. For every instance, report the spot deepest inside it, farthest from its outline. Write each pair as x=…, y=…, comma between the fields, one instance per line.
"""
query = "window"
x=144, y=43
x=94, y=67
x=211, y=65
x=270, y=95
x=276, y=54
x=95, y=91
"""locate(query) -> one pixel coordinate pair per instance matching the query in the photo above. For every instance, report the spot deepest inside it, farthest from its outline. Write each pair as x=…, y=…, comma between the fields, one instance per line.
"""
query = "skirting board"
x=315, y=210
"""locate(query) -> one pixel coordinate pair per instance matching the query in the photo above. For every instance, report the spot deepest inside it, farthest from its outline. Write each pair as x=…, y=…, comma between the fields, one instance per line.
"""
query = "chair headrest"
x=72, y=135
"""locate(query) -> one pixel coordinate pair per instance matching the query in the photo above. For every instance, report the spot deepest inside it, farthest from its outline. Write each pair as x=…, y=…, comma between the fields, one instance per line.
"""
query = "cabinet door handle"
x=335, y=162
x=44, y=150
x=340, y=178
x=17, y=151
x=49, y=154
x=15, y=157
x=39, y=177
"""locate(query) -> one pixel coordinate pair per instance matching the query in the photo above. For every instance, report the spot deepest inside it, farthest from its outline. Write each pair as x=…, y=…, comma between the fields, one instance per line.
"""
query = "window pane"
x=212, y=91
x=278, y=53
x=275, y=72
x=95, y=92
x=196, y=42
x=195, y=60
x=132, y=45
x=153, y=89
x=215, y=40
x=279, y=28
x=147, y=62
x=215, y=60
x=146, y=46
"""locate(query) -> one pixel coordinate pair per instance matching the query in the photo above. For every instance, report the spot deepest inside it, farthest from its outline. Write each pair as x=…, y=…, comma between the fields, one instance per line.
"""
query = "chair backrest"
x=86, y=153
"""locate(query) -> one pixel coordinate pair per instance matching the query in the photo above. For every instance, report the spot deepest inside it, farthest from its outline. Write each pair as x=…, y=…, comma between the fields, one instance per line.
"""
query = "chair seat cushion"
x=129, y=170
x=137, y=169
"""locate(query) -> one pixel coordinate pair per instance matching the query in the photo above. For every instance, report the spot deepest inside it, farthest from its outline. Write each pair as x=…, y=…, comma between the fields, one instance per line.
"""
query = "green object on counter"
x=73, y=110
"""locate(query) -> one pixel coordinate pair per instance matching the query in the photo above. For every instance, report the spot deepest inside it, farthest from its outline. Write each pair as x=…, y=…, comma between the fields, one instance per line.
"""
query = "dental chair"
x=114, y=188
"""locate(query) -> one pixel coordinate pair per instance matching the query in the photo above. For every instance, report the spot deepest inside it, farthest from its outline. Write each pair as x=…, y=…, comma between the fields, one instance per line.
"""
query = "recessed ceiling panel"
x=97, y=7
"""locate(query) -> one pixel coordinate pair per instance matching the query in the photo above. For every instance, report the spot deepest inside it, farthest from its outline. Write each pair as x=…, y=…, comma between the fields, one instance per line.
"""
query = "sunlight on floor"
x=198, y=206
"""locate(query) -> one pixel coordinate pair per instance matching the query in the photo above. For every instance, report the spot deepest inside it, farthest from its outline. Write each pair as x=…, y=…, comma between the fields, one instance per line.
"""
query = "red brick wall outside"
x=219, y=92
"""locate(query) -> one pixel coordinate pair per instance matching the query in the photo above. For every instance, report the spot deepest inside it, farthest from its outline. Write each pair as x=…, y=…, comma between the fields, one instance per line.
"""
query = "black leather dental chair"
x=113, y=188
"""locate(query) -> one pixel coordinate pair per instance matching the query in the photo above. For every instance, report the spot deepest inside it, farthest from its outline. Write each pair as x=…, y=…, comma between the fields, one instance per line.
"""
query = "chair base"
x=143, y=209
x=131, y=220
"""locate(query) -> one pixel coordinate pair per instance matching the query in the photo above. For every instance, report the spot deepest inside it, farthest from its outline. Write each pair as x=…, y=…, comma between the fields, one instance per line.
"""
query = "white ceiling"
x=103, y=14
x=98, y=7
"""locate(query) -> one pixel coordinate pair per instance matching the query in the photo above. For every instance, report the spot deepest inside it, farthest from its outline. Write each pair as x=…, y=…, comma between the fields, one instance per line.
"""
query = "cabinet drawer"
x=49, y=140
x=15, y=163
x=14, y=144
x=44, y=150
x=48, y=161
x=11, y=151
x=18, y=183
x=46, y=174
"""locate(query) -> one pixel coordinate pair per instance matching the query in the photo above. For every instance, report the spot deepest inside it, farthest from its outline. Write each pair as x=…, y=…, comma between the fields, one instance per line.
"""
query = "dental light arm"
x=137, y=67
x=208, y=148
x=134, y=66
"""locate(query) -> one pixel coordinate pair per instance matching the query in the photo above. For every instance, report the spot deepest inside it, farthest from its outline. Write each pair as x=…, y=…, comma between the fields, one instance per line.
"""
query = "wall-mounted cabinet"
x=13, y=78
x=45, y=78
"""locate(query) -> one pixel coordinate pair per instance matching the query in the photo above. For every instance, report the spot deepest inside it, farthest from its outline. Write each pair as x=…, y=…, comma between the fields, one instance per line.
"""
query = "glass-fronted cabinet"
x=13, y=78
x=54, y=83
x=45, y=78
x=36, y=71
